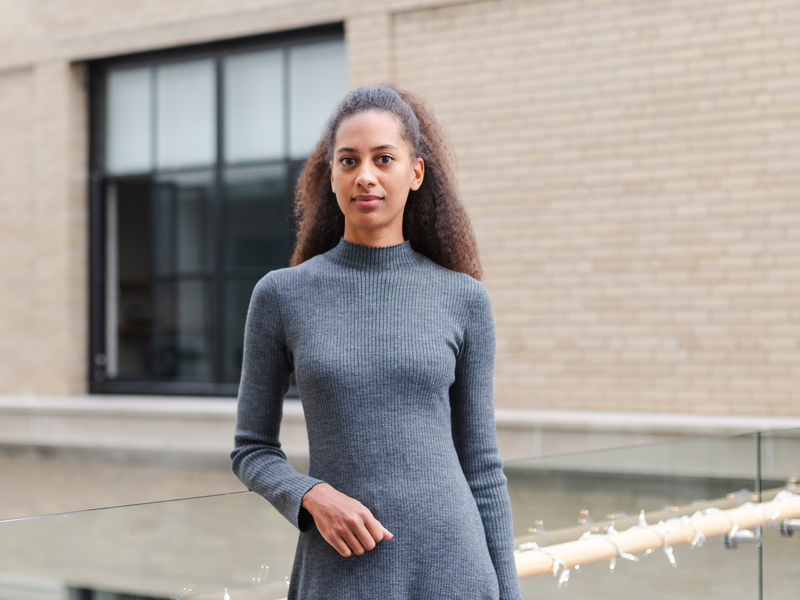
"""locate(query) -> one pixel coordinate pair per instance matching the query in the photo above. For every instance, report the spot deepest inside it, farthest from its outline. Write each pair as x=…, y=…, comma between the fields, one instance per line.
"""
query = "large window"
x=194, y=158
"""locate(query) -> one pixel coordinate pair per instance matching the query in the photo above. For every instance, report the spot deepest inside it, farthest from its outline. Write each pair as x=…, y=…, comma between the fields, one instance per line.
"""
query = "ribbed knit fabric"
x=393, y=357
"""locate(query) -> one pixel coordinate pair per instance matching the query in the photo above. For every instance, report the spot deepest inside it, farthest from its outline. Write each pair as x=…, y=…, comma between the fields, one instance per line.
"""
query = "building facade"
x=631, y=170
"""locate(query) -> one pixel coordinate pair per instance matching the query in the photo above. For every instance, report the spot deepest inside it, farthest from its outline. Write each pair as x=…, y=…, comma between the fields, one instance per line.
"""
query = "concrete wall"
x=631, y=169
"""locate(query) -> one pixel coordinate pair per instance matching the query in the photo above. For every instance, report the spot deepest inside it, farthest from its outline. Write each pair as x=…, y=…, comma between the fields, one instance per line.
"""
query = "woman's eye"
x=347, y=161
x=385, y=159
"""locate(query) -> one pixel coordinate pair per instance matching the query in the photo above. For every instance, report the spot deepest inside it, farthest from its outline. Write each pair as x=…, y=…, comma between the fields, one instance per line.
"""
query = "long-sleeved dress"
x=393, y=357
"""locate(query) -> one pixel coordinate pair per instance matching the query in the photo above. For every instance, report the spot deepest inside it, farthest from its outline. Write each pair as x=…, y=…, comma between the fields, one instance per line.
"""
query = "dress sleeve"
x=257, y=458
x=475, y=437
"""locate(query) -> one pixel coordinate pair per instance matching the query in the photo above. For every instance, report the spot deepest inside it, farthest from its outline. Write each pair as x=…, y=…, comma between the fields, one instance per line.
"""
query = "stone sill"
x=205, y=426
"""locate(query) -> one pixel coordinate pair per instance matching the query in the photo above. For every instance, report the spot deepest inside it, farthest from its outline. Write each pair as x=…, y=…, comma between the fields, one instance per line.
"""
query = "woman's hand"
x=344, y=522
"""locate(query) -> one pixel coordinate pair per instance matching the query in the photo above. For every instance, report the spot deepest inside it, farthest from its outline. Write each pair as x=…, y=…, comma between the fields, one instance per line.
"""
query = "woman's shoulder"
x=454, y=282
x=286, y=277
x=455, y=277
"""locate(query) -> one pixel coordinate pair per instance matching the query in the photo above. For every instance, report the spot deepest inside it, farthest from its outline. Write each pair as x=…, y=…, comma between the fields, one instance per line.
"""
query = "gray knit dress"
x=393, y=357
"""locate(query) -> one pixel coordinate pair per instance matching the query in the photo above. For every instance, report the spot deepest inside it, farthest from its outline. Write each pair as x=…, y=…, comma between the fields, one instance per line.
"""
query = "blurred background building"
x=631, y=169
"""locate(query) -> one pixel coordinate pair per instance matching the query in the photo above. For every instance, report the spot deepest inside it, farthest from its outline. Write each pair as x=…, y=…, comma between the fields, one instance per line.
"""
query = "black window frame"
x=97, y=71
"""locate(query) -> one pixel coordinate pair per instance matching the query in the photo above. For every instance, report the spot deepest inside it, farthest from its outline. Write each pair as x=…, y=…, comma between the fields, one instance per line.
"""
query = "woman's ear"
x=418, y=173
x=333, y=185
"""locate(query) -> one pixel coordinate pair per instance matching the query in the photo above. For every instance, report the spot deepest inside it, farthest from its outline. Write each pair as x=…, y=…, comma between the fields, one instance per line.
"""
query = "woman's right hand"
x=344, y=522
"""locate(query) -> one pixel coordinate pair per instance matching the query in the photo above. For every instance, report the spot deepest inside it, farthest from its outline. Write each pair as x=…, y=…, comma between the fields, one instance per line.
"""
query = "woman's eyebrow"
x=375, y=149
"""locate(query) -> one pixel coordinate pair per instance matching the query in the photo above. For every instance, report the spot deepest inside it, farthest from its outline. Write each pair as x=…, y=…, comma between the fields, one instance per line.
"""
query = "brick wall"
x=42, y=230
x=633, y=173
x=631, y=169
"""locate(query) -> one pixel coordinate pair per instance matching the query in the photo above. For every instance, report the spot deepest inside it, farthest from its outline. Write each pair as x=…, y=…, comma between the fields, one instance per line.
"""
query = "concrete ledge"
x=641, y=422
x=206, y=426
x=531, y=433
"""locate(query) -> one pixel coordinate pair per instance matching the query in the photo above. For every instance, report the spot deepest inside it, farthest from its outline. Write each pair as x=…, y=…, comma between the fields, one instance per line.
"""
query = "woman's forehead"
x=370, y=129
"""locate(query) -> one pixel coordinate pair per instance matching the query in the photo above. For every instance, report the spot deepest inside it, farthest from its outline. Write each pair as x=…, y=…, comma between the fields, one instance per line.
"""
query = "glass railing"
x=558, y=499
x=198, y=548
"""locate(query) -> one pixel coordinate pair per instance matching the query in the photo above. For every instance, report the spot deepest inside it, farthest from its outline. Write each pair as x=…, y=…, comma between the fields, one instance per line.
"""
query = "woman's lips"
x=367, y=201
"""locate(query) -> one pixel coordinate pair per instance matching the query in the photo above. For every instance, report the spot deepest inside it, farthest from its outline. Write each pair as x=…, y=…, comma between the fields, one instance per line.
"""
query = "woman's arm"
x=257, y=458
x=475, y=437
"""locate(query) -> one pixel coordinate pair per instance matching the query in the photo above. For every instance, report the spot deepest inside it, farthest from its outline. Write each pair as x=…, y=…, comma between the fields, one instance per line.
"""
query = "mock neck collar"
x=373, y=258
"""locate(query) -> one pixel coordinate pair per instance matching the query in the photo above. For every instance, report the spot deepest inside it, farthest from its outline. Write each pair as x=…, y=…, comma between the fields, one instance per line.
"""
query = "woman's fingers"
x=356, y=540
x=375, y=530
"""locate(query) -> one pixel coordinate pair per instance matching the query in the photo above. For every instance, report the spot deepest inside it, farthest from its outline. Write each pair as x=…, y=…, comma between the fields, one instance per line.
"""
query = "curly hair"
x=434, y=220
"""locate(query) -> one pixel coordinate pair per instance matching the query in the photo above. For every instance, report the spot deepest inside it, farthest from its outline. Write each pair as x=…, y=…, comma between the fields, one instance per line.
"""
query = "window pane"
x=317, y=81
x=129, y=309
x=257, y=218
x=182, y=330
x=187, y=104
x=128, y=122
x=182, y=223
x=254, y=106
x=175, y=300
x=162, y=315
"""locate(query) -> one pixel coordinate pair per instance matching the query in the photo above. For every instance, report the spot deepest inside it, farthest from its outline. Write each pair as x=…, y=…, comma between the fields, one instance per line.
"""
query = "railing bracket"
x=789, y=526
x=743, y=536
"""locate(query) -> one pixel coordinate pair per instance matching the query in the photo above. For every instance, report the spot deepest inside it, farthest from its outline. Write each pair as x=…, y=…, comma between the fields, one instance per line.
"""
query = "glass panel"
x=187, y=105
x=182, y=333
x=159, y=295
x=183, y=223
x=128, y=121
x=780, y=470
x=317, y=81
x=257, y=218
x=132, y=282
x=186, y=549
x=254, y=106
x=197, y=548
x=237, y=299
x=556, y=499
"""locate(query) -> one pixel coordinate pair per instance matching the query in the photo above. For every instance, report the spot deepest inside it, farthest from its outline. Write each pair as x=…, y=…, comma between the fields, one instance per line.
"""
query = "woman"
x=391, y=339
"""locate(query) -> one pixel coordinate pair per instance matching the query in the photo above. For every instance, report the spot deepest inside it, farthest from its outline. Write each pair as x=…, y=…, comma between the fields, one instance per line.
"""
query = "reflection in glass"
x=159, y=295
x=128, y=127
x=182, y=332
x=254, y=114
x=318, y=76
x=186, y=114
x=182, y=205
x=257, y=217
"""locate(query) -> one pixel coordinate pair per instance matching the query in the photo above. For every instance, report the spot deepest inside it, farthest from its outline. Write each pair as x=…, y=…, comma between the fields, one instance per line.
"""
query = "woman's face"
x=371, y=174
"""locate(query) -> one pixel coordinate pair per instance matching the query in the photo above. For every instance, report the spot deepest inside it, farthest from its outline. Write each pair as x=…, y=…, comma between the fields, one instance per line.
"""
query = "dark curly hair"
x=434, y=220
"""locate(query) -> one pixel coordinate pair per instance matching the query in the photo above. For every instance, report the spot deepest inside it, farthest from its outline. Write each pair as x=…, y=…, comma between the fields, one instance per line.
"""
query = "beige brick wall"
x=42, y=230
x=18, y=248
x=631, y=168
x=633, y=173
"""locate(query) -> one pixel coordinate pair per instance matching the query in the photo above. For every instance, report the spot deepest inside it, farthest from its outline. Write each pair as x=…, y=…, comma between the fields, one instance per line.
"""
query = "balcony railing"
x=197, y=548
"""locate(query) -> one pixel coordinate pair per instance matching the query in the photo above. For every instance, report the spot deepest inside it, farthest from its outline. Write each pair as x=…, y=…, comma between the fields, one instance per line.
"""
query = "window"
x=194, y=157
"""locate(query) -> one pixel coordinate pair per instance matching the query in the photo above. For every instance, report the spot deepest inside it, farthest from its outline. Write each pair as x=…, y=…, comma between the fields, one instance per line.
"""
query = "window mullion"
x=218, y=295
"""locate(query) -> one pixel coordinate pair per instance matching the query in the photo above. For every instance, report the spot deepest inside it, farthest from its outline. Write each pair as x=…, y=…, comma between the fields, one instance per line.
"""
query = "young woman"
x=391, y=339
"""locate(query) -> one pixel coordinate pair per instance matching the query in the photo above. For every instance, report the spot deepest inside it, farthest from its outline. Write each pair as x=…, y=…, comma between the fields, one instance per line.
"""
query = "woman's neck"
x=373, y=237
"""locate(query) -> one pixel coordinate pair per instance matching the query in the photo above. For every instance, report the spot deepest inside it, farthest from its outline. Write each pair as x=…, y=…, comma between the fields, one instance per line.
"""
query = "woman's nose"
x=366, y=176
